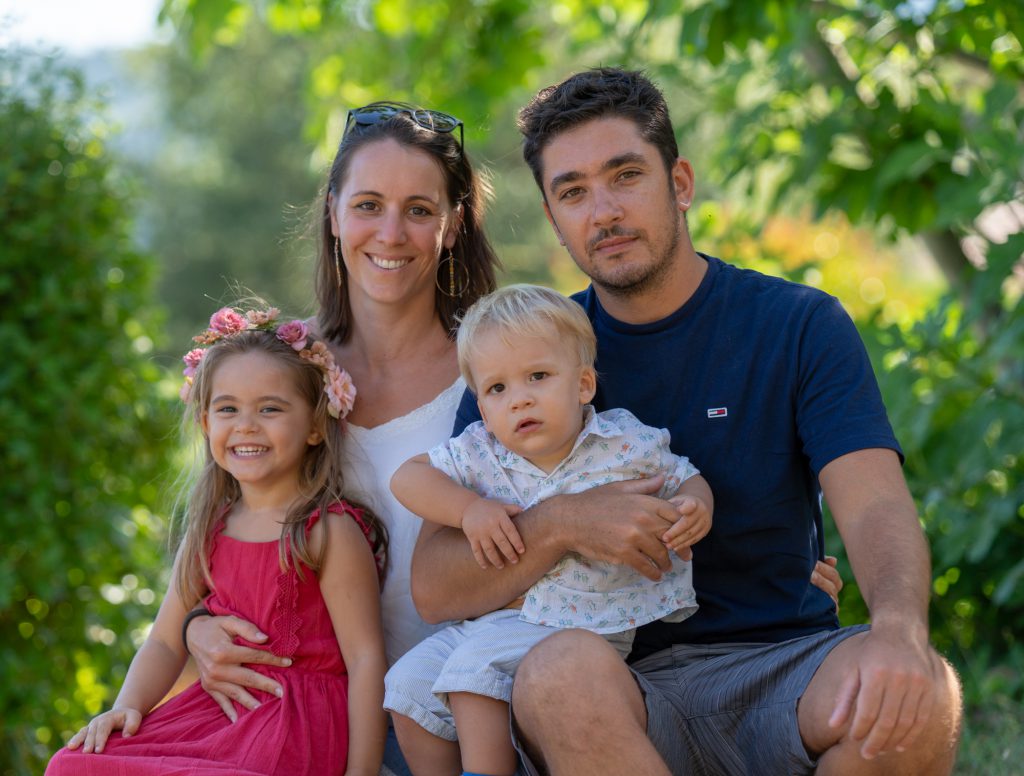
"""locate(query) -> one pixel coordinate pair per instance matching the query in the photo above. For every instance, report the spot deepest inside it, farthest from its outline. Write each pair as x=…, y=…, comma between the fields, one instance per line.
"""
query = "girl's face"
x=259, y=425
x=394, y=221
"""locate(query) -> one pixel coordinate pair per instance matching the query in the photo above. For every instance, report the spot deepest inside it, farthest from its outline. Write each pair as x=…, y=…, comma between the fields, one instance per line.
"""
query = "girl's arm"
x=349, y=585
x=152, y=673
x=437, y=498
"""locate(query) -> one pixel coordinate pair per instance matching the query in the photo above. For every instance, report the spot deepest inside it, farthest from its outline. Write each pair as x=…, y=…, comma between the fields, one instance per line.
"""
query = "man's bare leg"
x=579, y=710
x=932, y=752
x=425, y=753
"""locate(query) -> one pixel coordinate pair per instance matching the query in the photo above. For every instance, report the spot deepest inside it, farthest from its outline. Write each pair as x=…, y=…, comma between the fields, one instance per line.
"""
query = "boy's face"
x=531, y=392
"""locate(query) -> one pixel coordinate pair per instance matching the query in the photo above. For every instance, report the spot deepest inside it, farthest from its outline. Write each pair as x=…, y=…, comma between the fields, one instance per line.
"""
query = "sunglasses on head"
x=434, y=120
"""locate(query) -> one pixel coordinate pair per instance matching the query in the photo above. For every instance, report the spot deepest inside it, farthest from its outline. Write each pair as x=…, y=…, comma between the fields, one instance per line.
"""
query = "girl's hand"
x=96, y=733
x=693, y=525
x=488, y=526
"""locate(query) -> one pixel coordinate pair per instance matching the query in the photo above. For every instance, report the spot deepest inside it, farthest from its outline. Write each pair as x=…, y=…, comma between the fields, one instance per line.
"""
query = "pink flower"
x=192, y=361
x=258, y=318
x=226, y=321
x=341, y=392
x=318, y=354
x=293, y=333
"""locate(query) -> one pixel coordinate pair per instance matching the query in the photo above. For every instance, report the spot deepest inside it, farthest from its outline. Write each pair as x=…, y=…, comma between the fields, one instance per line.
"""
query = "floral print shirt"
x=577, y=592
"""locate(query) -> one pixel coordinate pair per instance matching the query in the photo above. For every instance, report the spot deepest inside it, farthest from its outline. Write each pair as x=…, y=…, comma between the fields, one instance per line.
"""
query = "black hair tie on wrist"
x=200, y=612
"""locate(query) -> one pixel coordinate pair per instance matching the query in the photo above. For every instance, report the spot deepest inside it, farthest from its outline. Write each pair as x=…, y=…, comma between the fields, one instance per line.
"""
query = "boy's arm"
x=350, y=588
x=430, y=493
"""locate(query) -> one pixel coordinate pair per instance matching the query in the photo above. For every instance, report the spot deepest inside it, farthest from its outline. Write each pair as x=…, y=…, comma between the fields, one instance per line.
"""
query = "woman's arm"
x=349, y=585
x=152, y=673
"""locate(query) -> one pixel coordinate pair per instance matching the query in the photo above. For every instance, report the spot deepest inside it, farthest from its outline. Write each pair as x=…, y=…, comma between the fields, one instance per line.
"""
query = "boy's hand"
x=693, y=525
x=96, y=733
x=488, y=526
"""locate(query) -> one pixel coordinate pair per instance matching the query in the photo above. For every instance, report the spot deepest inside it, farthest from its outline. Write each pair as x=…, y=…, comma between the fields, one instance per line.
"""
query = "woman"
x=402, y=250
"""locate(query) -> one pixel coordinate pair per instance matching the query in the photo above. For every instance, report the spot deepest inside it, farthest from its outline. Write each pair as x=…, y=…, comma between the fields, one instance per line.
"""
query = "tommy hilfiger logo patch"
x=718, y=412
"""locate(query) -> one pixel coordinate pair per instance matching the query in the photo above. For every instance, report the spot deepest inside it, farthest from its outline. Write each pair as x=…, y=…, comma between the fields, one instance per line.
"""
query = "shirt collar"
x=593, y=425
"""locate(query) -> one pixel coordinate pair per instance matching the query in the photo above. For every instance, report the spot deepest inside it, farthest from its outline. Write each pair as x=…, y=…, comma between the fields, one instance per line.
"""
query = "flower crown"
x=227, y=322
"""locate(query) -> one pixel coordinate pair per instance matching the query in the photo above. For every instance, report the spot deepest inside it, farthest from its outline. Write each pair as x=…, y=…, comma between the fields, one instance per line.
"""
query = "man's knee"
x=560, y=668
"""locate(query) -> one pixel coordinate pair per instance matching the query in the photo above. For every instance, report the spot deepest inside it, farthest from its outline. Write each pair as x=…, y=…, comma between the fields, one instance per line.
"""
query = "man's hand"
x=622, y=523
x=488, y=526
x=94, y=735
x=693, y=525
x=219, y=661
x=889, y=692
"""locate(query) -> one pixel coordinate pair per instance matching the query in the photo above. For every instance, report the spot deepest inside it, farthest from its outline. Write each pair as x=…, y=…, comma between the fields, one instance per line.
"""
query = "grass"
x=993, y=739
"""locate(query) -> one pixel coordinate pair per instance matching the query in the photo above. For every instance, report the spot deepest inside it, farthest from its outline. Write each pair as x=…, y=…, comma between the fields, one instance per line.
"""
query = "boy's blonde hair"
x=525, y=310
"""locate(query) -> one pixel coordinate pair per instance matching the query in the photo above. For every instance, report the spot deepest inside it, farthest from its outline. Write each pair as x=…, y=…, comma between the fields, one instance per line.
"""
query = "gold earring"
x=337, y=259
x=452, y=292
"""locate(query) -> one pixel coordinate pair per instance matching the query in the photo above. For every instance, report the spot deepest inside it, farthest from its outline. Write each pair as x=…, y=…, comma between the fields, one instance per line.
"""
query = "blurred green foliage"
x=84, y=434
x=954, y=388
x=901, y=117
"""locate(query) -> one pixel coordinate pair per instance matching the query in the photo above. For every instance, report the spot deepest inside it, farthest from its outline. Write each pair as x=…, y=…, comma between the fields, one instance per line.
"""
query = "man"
x=767, y=388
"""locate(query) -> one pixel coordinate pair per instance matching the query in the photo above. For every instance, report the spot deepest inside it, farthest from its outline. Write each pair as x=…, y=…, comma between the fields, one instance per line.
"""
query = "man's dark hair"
x=597, y=93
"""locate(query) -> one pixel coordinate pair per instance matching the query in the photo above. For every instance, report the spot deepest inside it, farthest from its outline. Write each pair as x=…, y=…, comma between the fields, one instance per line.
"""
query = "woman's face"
x=394, y=220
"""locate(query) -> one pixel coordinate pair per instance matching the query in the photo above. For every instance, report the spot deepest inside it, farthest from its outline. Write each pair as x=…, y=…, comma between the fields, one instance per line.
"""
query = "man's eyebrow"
x=630, y=157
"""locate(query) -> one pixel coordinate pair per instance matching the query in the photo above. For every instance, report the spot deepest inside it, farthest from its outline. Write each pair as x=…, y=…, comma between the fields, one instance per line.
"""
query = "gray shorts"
x=729, y=708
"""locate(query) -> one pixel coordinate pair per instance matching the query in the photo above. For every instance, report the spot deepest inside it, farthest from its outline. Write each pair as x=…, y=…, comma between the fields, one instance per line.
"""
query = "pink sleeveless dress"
x=303, y=732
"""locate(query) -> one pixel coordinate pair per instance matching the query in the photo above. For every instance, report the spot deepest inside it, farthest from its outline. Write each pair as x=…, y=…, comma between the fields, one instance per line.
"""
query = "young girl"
x=271, y=540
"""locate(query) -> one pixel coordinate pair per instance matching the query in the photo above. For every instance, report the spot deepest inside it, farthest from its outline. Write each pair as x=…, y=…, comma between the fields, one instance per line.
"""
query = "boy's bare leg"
x=484, y=736
x=579, y=710
x=425, y=753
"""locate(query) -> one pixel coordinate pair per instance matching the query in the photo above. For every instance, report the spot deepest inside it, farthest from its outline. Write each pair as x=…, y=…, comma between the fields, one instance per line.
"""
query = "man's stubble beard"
x=652, y=277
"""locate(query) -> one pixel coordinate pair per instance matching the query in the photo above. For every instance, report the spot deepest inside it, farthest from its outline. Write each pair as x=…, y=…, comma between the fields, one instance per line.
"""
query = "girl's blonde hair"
x=523, y=310
x=211, y=490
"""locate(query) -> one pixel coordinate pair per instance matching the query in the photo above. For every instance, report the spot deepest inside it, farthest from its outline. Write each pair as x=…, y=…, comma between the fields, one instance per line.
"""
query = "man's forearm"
x=877, y=520
x=892, y=566
x=448, y=583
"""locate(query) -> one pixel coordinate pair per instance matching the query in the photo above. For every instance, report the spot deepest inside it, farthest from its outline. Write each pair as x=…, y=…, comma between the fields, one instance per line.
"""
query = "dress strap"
x=357, y=514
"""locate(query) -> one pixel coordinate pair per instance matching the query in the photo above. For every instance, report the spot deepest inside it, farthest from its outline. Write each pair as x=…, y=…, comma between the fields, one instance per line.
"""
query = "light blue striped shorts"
x=478, y=656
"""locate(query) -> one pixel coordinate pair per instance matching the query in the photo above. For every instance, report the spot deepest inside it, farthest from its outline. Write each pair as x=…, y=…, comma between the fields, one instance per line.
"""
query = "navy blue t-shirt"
x=761, y=382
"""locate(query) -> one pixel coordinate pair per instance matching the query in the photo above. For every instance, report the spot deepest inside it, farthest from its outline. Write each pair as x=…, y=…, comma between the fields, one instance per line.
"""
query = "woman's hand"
x=826, y=576
x=95, y=734
x=219, y=659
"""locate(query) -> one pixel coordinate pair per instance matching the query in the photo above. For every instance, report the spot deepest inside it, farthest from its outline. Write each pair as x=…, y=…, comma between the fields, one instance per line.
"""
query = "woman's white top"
x=371, y=456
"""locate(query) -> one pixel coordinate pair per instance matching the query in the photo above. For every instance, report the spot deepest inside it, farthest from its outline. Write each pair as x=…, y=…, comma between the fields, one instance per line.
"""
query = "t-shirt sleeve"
x=447, y=457
x=839, y=407
x=677, y=468
x=467, y=413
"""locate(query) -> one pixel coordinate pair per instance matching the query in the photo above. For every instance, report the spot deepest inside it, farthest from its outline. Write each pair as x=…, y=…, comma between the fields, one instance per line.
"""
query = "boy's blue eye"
x=496, y=388
x=538, y=375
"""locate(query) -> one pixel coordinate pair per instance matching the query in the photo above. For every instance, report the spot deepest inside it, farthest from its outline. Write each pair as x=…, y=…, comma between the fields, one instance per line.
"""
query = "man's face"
x=613, y=205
